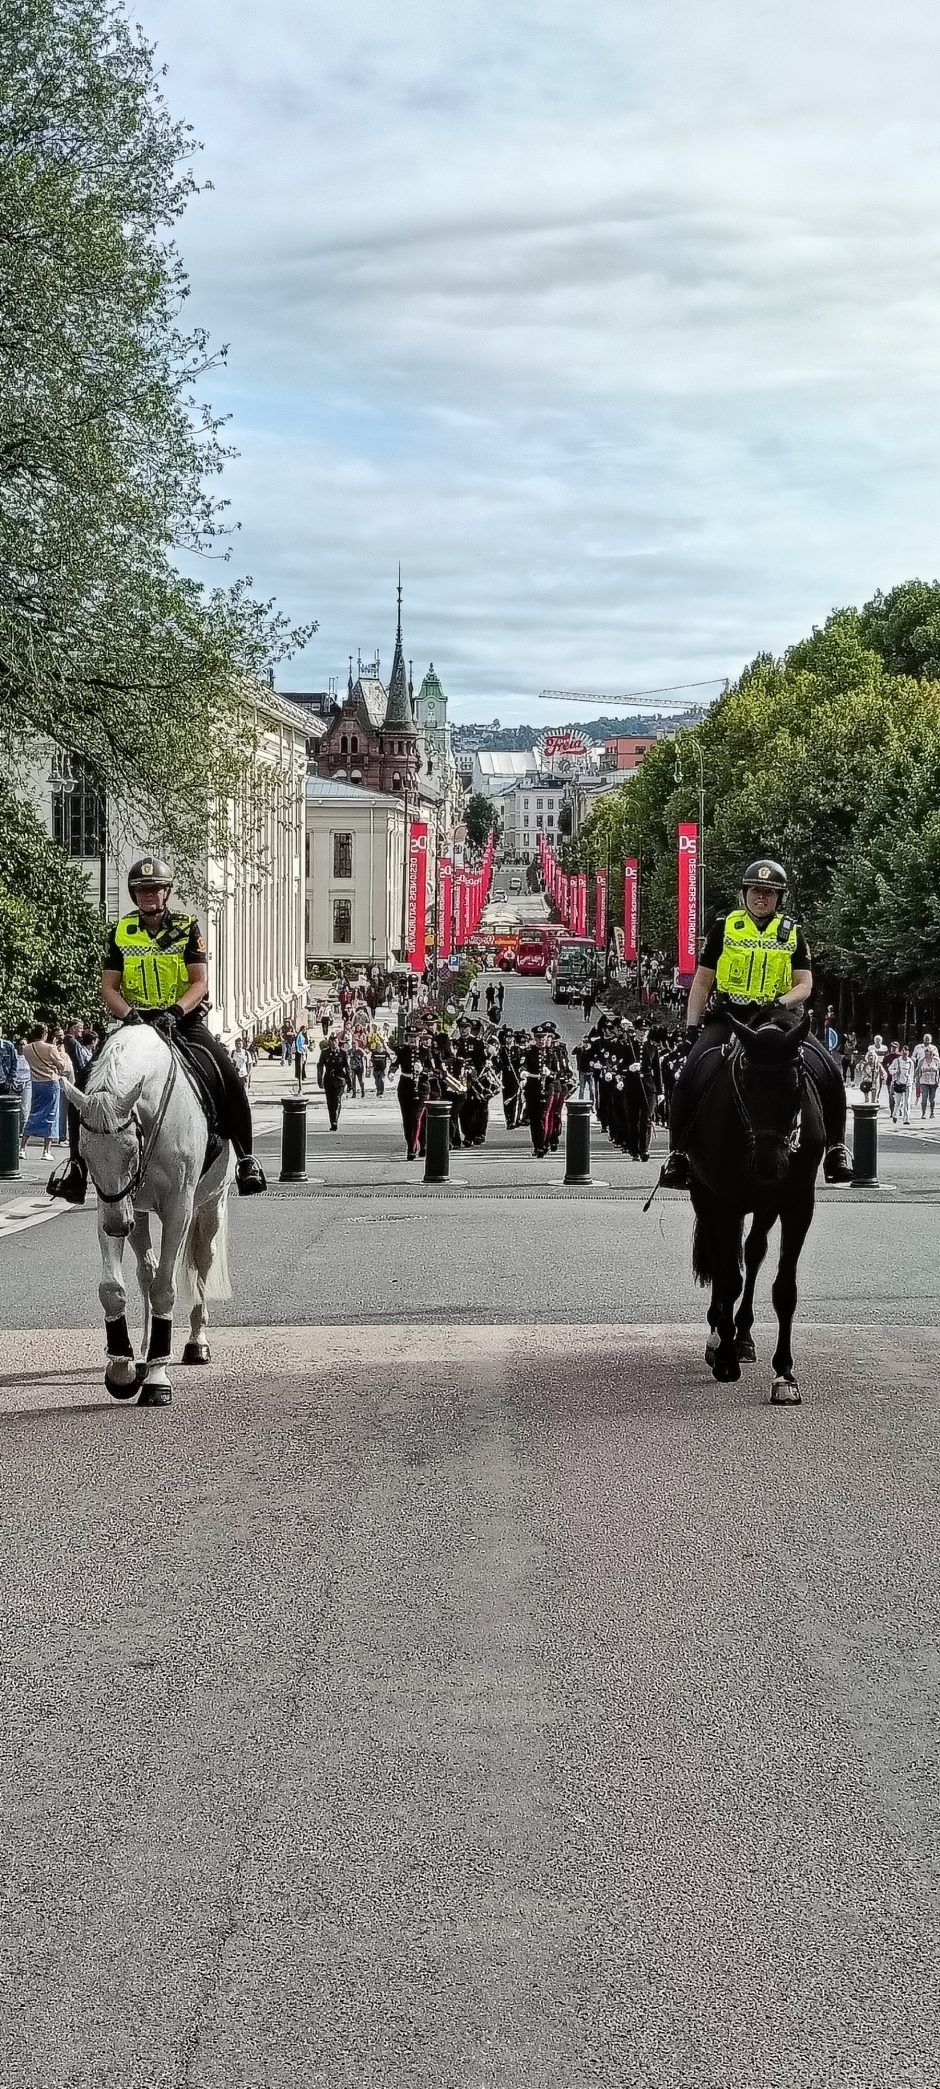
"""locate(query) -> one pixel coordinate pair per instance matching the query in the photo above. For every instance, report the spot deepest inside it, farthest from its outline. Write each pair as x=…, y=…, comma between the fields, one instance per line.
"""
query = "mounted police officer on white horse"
x=755, y=960
x=156, y=971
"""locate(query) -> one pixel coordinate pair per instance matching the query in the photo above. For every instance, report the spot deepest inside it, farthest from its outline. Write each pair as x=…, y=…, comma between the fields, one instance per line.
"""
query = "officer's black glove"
x=133, y=1016
x=177, y=1012
x=692, y=1032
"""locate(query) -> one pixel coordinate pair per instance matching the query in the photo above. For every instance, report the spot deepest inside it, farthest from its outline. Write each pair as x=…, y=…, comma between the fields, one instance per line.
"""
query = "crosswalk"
x=18, y=1213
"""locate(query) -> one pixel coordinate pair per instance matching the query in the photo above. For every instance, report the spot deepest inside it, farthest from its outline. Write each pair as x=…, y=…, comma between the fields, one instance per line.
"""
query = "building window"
x=551, y=819
x=77, y=808
x=539, y=804
x=342, y=855
x=344, y=744
x=539, y=820
x=342, y=920
x=354, y=744
x=525, y=819
x=307, y=854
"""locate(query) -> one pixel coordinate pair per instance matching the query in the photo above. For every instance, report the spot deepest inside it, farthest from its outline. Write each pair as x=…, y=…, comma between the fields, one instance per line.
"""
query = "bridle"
x=792, y=1139
x=144, y=1146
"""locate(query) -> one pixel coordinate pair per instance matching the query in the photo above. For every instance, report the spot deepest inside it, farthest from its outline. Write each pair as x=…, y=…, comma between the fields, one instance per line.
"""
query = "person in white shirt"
x=901, y=1072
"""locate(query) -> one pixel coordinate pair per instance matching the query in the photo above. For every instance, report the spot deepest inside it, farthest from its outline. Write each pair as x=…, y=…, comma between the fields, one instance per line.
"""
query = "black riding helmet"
x=148, y=870
x=765, y=872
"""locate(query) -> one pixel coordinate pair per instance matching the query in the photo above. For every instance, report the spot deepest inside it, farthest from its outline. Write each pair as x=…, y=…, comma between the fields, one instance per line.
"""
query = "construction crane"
x=636, y=696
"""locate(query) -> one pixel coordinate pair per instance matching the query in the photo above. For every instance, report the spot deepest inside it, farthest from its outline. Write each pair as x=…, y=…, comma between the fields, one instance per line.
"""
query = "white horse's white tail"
x=204, y=1263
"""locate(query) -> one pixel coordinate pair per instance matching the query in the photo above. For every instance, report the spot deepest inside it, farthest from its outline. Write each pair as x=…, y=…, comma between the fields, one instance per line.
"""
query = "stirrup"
x=69, y=1181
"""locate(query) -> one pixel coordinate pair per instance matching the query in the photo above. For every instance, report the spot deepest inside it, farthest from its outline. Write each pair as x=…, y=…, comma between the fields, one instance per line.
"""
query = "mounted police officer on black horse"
x=757, y=960
x=156, y=971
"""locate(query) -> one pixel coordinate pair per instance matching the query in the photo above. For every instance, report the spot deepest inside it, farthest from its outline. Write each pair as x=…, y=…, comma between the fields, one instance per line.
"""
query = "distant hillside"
x=512, y=739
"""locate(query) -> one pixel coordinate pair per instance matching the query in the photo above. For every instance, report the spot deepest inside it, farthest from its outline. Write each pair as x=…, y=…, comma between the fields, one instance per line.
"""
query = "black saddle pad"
x=203, y=1076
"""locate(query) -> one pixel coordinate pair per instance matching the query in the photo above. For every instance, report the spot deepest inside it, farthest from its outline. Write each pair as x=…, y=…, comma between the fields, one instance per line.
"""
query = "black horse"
x=755, y=1143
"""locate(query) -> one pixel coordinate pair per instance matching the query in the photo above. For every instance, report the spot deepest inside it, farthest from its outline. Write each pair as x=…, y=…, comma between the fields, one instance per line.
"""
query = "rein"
x=793, y=1137
x=144, y=1146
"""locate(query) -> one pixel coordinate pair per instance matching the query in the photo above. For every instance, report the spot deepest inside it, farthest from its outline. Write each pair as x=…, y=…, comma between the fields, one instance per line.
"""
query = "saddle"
x=201, y=1072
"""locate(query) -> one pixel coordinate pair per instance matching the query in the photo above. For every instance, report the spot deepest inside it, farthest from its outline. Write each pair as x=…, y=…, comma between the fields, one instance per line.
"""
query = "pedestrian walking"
x=900, y=1093
x=929, y=1075
x=47, y=1062
x=337, y=1080
x=357, y=1067
x=300, y=1056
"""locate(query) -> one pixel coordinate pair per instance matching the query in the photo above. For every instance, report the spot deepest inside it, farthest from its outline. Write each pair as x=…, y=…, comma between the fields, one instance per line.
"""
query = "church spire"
x=399, y=716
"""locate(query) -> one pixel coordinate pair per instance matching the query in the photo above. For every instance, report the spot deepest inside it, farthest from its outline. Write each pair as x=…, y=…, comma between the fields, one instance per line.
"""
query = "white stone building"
x=531, y=807
x=354, y=872
x=254, y=918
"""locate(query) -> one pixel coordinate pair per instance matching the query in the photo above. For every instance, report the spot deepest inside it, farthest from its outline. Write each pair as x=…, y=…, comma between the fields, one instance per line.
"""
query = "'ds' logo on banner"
x=688, y=898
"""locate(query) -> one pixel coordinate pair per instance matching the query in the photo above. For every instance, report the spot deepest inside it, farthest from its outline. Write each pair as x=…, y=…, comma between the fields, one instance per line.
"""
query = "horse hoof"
x=746, y=1350
x=117, y=1383
x=155, y=1396
x=785, y=1393
x=726, y=1369
x=197, y=1353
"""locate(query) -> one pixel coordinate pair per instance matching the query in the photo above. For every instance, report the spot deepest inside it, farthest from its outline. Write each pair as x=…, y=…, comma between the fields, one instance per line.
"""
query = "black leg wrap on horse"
x=117, y=1337
x=161, y=1336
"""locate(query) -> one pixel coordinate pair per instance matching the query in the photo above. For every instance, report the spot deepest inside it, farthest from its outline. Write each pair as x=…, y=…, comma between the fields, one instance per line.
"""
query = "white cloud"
x=618, y=324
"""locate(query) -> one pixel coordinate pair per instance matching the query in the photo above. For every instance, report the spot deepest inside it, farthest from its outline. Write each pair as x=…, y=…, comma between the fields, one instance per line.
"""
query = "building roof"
x=337, y=789
x=399, y=716
x=507, y=765
x=374, y=697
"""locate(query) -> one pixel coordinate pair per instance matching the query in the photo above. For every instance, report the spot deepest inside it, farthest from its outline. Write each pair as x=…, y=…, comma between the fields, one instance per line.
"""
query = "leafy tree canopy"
x=109, y=456
x=50, y=938
x=481, y=817
x=828, y=758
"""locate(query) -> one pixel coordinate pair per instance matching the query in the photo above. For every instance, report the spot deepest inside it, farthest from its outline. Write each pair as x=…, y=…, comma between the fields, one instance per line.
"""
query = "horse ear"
x=72, y=1094
x=742, y=1031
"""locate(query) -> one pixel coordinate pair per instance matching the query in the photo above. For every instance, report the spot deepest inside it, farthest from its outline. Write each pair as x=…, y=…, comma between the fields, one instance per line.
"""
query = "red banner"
x=631, y=909
x=688, y=898
x=446, y=904
x=580, y=893
x=600, y=911
x=417, y=894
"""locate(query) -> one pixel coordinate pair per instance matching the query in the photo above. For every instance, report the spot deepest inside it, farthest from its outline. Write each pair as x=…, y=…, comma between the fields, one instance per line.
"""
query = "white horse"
x=144, y=1136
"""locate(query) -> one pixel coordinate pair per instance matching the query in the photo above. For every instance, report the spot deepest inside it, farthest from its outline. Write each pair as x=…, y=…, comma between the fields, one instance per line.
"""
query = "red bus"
x=535, y=945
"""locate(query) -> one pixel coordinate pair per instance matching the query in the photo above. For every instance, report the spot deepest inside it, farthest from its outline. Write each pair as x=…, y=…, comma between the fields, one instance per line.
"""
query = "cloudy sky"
x=617, y=321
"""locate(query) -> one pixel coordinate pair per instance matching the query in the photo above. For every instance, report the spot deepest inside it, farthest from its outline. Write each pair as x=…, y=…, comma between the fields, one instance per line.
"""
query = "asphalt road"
x=457, y=1687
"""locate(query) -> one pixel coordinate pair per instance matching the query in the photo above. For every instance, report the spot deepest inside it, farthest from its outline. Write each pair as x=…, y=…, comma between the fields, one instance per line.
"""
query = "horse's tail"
x=205, y=1256
x=701, y=1264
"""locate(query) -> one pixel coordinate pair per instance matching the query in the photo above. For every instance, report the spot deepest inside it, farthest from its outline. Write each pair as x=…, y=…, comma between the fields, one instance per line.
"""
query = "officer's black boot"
x=674, y=1174
x=837, y=1166
x=250, y=1178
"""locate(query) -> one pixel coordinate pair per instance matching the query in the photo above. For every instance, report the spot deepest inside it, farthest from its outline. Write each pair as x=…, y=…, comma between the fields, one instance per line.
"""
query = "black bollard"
x=578, y=1145
x=294, y=1139
x=437, y=1142
x=10, y=1134
x=865, y=1146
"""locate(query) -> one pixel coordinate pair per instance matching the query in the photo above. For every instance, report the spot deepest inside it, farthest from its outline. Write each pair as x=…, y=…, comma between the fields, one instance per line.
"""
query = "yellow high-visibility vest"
x=756, y=964
x=153, y=975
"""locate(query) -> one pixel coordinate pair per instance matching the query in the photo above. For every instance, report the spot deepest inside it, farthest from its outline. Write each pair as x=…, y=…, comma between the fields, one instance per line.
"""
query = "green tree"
x=481, y=817
x=50, y=937
x=108, y=454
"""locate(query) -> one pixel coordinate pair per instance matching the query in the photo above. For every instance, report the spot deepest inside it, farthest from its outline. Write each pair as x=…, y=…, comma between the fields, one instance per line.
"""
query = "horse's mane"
x=113, y=1075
